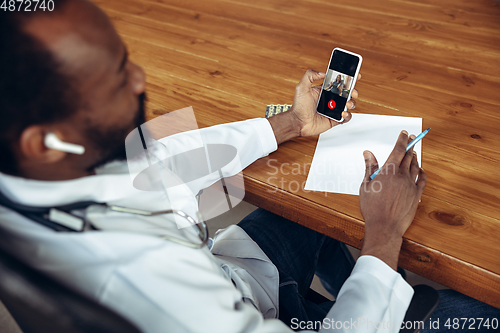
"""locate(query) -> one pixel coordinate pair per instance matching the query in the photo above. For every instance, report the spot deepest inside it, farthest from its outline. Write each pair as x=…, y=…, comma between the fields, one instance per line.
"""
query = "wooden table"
x=435, y=59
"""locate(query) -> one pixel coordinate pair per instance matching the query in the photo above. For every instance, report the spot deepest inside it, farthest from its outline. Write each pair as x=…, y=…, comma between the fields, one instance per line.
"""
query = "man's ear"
x=32, y=146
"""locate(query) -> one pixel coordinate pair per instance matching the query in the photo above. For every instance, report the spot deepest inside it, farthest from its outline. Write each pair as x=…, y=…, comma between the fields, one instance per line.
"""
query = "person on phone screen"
x=336, y=86
x=67, y=74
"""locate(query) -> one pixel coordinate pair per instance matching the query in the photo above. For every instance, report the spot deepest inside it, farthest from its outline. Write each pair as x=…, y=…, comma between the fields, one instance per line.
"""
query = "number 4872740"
x=27, y=5
x=472, y=323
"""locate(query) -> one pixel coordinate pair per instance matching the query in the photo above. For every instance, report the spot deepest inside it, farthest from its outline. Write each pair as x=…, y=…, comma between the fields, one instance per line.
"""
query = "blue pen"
x=411, y=144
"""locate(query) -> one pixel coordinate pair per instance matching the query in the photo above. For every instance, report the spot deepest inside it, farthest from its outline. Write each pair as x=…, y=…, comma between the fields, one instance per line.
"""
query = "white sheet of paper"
x=338, y=165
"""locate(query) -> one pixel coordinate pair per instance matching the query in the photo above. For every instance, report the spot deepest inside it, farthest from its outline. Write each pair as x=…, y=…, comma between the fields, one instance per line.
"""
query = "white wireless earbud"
x=52, y=141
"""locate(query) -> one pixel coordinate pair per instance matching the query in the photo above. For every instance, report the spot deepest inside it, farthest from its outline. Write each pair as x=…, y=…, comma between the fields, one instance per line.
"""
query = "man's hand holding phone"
x=302, y=119
x=305, y=101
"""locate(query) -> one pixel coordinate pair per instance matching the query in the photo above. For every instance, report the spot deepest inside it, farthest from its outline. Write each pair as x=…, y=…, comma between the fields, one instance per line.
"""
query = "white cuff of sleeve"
x=266, y=135
x=375, y=267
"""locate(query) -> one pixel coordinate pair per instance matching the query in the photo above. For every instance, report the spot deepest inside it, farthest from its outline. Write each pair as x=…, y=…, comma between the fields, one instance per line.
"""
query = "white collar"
x=99, y=188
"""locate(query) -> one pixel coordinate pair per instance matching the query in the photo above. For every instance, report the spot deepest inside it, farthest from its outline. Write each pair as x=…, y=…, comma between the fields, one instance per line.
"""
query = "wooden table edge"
x=440, y=267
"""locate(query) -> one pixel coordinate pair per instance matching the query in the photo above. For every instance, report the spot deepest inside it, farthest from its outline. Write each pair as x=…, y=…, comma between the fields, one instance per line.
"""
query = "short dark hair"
x=33, y=88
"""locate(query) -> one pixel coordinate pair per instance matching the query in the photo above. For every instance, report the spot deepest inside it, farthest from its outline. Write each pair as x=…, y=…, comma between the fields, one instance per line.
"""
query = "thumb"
x=371, y=164
x=309, y=78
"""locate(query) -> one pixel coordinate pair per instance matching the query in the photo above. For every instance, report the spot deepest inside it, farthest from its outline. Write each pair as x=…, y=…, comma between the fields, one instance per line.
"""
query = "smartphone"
x=341, y=76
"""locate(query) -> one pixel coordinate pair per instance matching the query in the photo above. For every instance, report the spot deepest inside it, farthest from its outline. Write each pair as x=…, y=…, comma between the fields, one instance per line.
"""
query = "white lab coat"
x=163, y=286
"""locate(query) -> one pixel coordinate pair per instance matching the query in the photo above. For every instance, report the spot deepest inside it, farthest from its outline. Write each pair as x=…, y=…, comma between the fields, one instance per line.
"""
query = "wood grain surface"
x=435, y=59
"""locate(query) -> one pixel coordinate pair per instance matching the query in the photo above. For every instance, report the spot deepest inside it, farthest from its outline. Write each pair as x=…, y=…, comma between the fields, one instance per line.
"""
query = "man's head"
x=65, y=72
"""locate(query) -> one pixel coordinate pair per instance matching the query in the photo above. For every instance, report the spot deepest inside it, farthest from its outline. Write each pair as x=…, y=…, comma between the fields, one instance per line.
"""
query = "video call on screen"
x=338, y=83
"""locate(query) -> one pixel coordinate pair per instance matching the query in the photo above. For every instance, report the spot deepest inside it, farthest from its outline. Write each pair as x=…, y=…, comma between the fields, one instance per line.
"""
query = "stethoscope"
x=61, y=219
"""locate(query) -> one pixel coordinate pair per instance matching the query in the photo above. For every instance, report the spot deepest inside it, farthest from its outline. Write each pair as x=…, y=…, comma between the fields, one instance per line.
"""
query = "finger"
x=332, y=122
x=359, y=77
x=316, y=91
x=347, y=116
x=354, y=94
x=405, y=164
x=371, y=165
x=422, y=181
x=414, y=169
x=309, y=78
x=351, y=104
x=399, y=150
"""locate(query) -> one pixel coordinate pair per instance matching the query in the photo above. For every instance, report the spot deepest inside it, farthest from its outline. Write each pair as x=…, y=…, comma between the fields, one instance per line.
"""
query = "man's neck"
x=53, y=172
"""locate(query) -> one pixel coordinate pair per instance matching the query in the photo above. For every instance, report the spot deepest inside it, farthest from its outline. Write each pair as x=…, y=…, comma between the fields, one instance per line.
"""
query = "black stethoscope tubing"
x=38, y=214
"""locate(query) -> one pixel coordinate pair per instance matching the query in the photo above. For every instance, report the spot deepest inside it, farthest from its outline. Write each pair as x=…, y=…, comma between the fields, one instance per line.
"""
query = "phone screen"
x=338, y=84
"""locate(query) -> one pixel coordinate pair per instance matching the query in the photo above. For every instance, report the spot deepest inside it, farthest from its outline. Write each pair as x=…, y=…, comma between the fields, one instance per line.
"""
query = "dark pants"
x=299, y=253
x=459, y=313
